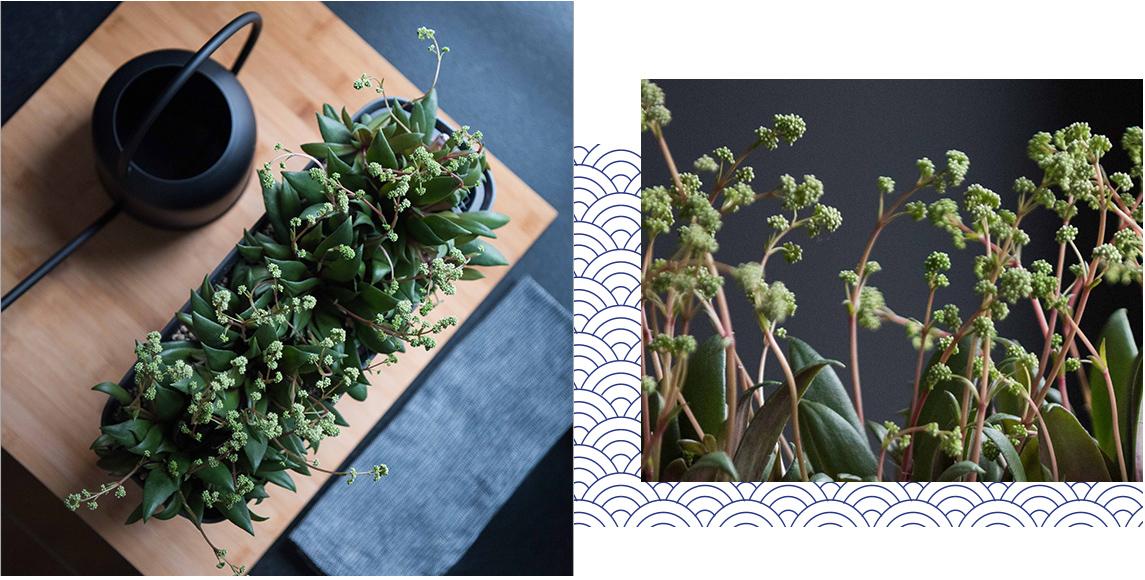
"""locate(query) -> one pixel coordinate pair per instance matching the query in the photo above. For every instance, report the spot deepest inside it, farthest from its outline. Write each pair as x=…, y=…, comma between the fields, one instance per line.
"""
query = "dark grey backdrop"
x=510, y=75
x=857, y=131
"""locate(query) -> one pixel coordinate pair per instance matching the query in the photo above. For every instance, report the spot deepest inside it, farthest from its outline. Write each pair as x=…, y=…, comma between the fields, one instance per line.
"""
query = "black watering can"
x=174, y=138
x=174, y=132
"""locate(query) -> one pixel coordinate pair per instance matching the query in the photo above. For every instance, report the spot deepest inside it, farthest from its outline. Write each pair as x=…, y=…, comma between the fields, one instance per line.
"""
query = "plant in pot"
x=341, y=274
x=982, y=406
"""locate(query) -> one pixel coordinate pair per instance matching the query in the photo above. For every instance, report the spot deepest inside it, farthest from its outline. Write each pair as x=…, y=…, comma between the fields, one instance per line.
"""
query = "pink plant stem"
x=794, y=391
x=1112, y=397
x=983, y=392
x=1045, y=437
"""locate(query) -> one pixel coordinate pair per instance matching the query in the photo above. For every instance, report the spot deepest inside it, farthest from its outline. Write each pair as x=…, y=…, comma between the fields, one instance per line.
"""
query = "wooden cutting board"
x=75, y=328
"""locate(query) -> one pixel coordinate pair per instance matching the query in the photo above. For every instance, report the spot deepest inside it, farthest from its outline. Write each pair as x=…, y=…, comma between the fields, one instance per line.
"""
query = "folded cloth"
x=457, y=450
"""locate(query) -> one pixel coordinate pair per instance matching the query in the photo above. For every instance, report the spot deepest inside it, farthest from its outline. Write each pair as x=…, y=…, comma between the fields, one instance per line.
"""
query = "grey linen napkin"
x=458, y=449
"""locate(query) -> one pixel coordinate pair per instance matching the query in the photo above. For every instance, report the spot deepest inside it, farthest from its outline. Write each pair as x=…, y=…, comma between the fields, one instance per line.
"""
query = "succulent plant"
x=982, y=406
x=356, y=252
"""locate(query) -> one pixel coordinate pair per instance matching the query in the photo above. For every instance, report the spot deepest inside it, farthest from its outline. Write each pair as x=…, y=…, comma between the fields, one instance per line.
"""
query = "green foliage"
x=1121, y=354
x=356, y=253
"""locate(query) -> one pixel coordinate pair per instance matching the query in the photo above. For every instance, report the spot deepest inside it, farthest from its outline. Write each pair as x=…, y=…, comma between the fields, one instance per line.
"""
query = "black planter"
x=480, y=198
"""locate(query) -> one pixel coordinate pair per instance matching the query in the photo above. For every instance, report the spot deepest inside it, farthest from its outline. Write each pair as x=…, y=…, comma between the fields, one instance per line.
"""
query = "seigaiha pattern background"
x=607, y=490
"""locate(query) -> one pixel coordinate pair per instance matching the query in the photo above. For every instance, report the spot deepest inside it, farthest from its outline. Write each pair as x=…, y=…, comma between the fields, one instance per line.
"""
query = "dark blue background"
x=509, y=75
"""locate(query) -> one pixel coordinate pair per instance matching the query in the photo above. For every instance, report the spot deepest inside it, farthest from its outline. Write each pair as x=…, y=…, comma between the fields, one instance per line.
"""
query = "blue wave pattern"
x=607, y=491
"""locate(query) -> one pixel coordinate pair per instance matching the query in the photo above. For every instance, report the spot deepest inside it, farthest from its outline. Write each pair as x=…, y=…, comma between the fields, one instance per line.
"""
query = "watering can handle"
x=185, y=75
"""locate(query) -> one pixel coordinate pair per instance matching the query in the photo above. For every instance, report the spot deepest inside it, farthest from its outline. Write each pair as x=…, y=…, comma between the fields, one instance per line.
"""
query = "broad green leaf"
x=484, y=254
x=319, y=150
x=279, y=478
x=421, y=232
x=714, y=461
x=438, y=189
x=758, y=443
x=1032, y=462
x=378, y=301
x=156, y=489
x=169, y=403
x=270, y=203
x=255, y=448
x=150, y=442
x=301, y=287
x=490, y=219
x=219, y=359
x=1078, y=455
x=209, y=332
x=704, y=388
x=826, y=389
x=306, y=186
x=333, y=131
x=444, y=228
x=831, y=442
x=238, y=514
x=218, y=476
x=670, y=442
x=380, y=153
x=1136, y=412
x=291, y=269
x=114, y=391
x=471, y=274
x=473, y=226
x=1013, y=461
x=1121, y=352
x=343, y=234
x=961, y=469
x=406, y=142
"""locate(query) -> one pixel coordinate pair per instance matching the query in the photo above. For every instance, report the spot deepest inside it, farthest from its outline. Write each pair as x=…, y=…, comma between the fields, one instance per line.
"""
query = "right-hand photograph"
x=884, y=280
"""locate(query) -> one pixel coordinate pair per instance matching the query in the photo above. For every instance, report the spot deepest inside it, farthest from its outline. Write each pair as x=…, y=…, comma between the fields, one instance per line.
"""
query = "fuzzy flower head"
x=789, y=128
x=824, y=219
x=871, y=303
x=935, y=266
x=774, y=301
x=653, y=113
x=800, y=196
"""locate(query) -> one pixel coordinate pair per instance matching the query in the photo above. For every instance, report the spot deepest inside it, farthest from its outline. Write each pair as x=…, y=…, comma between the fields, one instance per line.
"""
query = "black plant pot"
x=480, y=198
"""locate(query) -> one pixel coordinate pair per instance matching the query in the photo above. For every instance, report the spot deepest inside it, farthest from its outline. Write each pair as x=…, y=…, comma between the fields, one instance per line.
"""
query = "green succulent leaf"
x=1078, y=456
x=218, y=476
x=333, y=131
x=306, y=186
x=483, y=254
x=715, y=460
x=757, y=446
x=961, y=469
x=826, y=388
x=238, y=513
x=157, y=489
x=832, y=443
x=705, y=388
x=1121, y=352
x=114, y=391
x=1013, y=460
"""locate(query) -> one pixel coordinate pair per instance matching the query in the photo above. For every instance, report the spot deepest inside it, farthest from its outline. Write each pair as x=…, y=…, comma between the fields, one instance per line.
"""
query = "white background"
x=617, y=43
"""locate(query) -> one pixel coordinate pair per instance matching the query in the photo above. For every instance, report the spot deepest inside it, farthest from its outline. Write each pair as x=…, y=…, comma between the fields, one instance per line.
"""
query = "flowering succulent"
x=983, y=406
x=355, y=253
x=691, y=284
x=1023, y=393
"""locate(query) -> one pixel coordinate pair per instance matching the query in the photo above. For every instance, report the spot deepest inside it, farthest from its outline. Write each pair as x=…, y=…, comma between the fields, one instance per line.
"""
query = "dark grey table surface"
x=510, y=75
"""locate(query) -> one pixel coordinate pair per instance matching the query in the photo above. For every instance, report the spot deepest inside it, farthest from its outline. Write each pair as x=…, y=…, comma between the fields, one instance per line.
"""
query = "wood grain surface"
x=76, y=327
